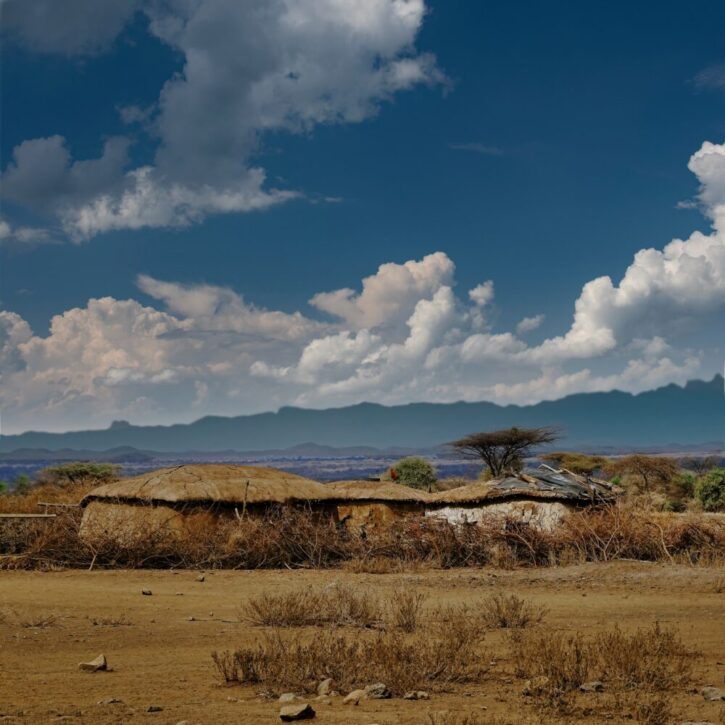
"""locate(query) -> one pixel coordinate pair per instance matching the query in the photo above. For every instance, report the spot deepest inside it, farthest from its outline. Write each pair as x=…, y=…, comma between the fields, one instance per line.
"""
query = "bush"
x=416, y=473
x=710, y=490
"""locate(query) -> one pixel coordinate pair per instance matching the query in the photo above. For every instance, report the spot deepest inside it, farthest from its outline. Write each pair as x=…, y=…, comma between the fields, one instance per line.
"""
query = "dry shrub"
x=506, y=611
x=290, y=537
x=654, y=659
x=404, y=662
x=338, y=604
x=29, y=502
x=405, y=608
x=640, y=670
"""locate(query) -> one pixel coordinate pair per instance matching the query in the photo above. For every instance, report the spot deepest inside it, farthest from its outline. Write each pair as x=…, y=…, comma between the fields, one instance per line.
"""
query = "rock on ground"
x=713, y=694
x=325, y=686
x=416, y=695
x=303, y=711
x=595, y=686
x=100, y=664
x=378, y=691
x=354, y=697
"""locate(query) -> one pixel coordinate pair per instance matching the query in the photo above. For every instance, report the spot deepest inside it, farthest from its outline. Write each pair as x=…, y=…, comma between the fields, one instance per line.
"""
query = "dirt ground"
x=160, y=657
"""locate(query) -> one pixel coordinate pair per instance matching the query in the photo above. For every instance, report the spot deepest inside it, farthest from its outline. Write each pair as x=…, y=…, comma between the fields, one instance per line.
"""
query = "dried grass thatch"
x=212, y=484
x=374, y=491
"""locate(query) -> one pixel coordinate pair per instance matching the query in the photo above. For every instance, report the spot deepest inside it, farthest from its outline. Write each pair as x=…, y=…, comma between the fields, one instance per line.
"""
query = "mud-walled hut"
x=540, y=498
x=361, y=504
x=170, y=500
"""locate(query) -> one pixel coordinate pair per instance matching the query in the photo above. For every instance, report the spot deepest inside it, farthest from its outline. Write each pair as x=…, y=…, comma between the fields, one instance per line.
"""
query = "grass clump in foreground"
x=639, y=671
x=445, y=654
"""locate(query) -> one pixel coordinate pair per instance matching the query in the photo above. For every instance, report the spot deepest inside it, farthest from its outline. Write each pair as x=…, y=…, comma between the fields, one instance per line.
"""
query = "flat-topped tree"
x=504, y=450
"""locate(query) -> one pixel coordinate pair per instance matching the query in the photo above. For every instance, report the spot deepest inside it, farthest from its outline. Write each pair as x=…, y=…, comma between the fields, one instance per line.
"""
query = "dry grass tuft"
x=405, y=608
x=112, y=621
x=508, y=611
x=339, y=605
x=40, y=620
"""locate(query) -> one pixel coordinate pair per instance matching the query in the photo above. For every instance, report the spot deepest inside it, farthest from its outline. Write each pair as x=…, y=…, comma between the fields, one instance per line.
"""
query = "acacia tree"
x=80, y=472
x=650, y=471
x=504, y=450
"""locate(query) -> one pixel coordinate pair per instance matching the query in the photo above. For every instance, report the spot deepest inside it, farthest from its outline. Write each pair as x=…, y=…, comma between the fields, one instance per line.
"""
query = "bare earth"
x=162, y=658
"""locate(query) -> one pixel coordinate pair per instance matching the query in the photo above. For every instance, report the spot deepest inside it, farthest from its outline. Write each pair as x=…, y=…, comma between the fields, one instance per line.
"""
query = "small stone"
x=97, y=665
x=713, y=694
x=303, y=711
x=325, y=687
x=146, y=592
x=416, y=695
x=200, y=578
x=354, y=697
x=287, y=697
x=378, y=691
x=109, y=701
x=154, y=708
x=179, y=594
x=190, y=619
x=595, y=686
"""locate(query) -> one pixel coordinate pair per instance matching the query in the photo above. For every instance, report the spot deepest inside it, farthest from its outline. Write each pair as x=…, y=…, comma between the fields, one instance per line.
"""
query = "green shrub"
x=710, y=490
x=415, y=472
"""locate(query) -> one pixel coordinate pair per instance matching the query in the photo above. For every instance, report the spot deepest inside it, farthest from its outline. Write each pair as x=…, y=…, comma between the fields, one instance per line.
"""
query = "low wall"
x=546, y=515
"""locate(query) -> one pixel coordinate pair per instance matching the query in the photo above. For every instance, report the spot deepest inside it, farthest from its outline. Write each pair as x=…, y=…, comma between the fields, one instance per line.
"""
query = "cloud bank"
x=407, y=333
x=305, y=62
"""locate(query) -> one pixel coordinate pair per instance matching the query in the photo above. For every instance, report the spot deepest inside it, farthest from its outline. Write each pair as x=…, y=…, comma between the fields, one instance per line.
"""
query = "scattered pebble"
x=416, y=695
x=154, y=708
x=713, y=694
x=595, y=686
x=146, y=592
x=200, y=578
x=287, y=697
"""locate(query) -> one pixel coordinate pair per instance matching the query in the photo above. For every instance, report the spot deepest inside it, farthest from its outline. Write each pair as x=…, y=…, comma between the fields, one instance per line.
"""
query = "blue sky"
x=538, y=146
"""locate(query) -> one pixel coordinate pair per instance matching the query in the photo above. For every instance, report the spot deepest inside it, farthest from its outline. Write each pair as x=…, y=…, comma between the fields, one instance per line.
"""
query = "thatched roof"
x=546, y=485
x=375, y=491
x=212, y=483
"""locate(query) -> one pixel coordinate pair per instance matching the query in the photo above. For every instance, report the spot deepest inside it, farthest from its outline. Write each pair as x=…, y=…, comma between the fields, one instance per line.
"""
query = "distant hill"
x=689, y=415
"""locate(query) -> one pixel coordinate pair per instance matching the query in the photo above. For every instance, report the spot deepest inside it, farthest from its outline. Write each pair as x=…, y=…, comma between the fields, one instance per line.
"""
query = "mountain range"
x=685, y=415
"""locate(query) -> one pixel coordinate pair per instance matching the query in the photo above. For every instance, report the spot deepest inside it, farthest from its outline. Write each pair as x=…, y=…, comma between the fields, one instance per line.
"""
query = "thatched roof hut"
x=374, y=491
x=222, y=484
x=363, y=503
x=541, y=498
x=164, y=501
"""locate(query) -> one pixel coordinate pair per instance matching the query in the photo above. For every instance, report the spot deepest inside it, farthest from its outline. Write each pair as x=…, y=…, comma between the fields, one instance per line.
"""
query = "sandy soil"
x=162, y=658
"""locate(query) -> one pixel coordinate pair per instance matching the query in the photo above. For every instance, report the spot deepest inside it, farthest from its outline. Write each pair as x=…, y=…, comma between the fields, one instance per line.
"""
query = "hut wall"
x=545, y=515
x=127, y=523
x=357, y=514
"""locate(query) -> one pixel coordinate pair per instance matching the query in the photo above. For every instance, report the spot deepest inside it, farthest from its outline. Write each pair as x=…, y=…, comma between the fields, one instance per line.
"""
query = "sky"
x=214, y=207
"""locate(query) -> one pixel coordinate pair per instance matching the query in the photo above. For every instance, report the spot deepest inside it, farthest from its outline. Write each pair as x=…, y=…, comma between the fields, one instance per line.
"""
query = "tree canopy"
x=505, y=450
x=80, y=472
x=415, y=472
